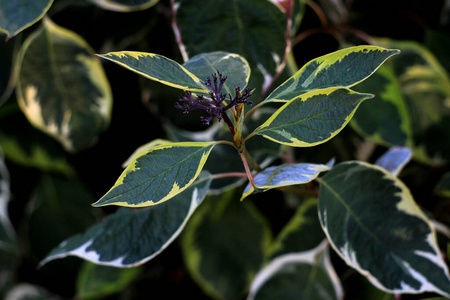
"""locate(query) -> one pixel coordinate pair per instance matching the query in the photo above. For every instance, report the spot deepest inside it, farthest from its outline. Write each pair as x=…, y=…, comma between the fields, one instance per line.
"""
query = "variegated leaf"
x=373, y=223
x=125, y=5
x=394, y=159
x=158, y=174
x=157, y=67
x=312, y=118
x=131, y=237
x=343, y=68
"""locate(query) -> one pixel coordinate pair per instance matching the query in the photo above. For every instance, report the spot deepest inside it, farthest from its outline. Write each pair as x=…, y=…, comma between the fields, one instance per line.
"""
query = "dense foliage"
x=259, y=149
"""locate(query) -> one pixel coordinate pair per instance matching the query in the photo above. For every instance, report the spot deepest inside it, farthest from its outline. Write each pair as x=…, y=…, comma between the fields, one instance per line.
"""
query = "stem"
x=254, y=108
x=228, y=121
x=252, y=162
x=316, y=8
x=229, y=174
x=247, y=170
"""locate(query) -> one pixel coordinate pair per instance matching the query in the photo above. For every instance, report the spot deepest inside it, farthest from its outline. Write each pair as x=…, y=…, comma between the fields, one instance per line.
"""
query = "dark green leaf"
x=373, y=223
x=130, y=237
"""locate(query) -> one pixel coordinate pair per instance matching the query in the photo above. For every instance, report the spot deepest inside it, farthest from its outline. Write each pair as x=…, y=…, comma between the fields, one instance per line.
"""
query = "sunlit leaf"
x=343, y=68
x=313, y=118
x=224, y=245
x=285, y=175
x=158, y=174
x=304, y=275
x=125, y=5
x=157, y=67
x=394, y=159
x=373, y=223
x=130, y=237
x=62, y=88
x=16, y=15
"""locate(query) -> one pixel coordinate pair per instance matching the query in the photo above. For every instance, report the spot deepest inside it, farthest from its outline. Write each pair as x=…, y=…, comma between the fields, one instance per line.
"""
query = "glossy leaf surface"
x=285, y=175
x=373, y=223
x=343, y=68
x=158, y=174
x=304, y=275
x=254, y=29
x=234, y=66
x=394, y=159
x=313, y=118
x=125, y=5
x=62, y=88
x=130, y=237
x=16, y=15
x=157, y=67
x=224, y=245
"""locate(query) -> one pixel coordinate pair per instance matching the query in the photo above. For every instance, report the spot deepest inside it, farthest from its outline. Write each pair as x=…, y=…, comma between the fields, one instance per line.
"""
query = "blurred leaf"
x=443, y=186
x=302, y=233
x=233, y=66
x=16, y=15
x=385, y=119
x=332, y=70
x=131, y=237
x=60, y=206
x=27, y=146
x=304, y=275
x=125, y=5
x=284, y=175
x=254, y=29
x=224, y=245
x=8, y=59
x=96, y=282
x=373, y=223
x=25, y=291
x=312, y=118
x=158, y=174
x=426, y=90
x=157, y=67
x=62, y=88
x=394, y=159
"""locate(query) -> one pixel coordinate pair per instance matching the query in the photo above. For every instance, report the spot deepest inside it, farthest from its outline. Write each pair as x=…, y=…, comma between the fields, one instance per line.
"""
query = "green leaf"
x=343, y=68
x=8, y=60
x=62, y=88
x=125, y=5
x=425, y=86
x=394, y=159
x=254, y=29
x=96, y=281
x=384, y=120
x=285, y=175
x=16, y=15
x=373, y=223
x=158, y=174
x=301, y=233
x=312, y=118
x=25, y=145
x=130, y=237
x=224, y=245
x=157, y=67
x=443, y=186
x=234, y=66
x=62, y=207
x=304, y=275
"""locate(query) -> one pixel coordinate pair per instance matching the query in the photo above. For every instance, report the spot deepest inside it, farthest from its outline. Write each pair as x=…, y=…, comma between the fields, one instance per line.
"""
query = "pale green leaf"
x=97, y=281
x=343, y=68
x=157, y=67
x=303, y=275
x=158, y=174
x=312, y=118
x=125, y=5
x=62, y=88
x=224, y=245
x=373, y=223
x=131, y=237
x=17, y=15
